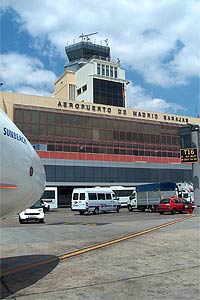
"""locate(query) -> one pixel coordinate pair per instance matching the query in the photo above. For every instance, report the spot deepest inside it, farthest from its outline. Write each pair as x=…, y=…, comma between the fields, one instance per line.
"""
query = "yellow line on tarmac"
x=84, y=250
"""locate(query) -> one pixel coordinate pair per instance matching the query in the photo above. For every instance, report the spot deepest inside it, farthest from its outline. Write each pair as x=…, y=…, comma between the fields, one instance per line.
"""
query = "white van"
x=94, y=200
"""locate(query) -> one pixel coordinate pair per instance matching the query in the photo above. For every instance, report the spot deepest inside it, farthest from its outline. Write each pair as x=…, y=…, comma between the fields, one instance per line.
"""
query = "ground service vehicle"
x=50, y=197
x=147, y=196
x=173, y=205
x=32, y=214
x=123, y=193
x=94, y=200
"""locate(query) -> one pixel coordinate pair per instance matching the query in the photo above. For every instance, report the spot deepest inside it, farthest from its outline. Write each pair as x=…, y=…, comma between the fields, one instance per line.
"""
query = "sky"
x=157, y=42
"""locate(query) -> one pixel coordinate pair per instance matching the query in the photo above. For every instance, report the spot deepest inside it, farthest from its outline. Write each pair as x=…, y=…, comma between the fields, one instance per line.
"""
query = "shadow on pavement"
x=28, y=270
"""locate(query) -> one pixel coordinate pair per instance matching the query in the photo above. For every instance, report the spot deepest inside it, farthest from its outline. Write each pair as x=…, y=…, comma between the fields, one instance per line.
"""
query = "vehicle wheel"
x=143, y=209
x=161, y=212
x=173, y=211
x=81, y=212
x=41, y=220
x=96, y=211
x=117, y=210
x=21, y=221
x=151, y=209
x=130, y=208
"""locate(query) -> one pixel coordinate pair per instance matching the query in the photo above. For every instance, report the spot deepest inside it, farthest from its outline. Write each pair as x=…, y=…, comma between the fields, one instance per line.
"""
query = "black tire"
x=161, y=212
x=96, y=211
x=130, y=208
x=21, y=221
x=118, y=208
x=151, y=209
x=41, y=220
x=81, y=212
x=173, y=211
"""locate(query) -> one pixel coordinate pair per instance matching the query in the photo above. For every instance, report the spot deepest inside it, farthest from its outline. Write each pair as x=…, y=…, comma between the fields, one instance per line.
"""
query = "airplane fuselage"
x=22, y=175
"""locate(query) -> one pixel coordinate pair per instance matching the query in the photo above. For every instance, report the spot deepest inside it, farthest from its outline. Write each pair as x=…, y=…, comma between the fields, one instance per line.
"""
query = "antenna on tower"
x=106, y=41
x=86, y=36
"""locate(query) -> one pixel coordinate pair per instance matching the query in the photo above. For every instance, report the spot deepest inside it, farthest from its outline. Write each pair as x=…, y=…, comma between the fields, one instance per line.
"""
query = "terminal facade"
x=85, y=134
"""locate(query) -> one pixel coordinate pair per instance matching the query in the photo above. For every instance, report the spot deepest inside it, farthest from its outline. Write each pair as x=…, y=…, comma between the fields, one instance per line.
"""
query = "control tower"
x=80, y=53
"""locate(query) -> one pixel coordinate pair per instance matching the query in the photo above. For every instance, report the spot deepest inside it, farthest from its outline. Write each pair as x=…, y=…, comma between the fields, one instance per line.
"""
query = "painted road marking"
x=91, y=248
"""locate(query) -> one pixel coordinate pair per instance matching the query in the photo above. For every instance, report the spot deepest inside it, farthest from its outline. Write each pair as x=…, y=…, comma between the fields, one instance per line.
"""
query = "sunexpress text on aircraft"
x=14, y=135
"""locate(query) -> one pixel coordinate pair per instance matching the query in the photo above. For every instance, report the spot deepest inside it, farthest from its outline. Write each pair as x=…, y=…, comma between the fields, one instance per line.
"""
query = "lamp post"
x=196, y=169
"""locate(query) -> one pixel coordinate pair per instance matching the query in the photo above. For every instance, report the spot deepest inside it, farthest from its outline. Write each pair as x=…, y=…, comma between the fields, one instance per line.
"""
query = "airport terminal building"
x=85, y=134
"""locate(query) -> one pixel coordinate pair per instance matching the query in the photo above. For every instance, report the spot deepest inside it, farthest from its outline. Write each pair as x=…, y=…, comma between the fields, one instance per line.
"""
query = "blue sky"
x=157, y=43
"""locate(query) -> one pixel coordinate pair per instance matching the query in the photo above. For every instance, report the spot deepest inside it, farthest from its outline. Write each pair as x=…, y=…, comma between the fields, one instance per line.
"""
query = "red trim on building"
x=106, y=157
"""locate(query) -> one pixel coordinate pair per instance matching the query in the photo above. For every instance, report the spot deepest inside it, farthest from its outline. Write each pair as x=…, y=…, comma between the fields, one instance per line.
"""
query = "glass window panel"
x=122, y=125
x=169, y=140
x=157, y=139
x=43, y=117
x=98, y=69
x=103, y=70
x=152, y=139
x=66, y=148
x=50, y=118
x=88, y=134
x=88, y=122
x=50, y=147
x=109, y=135
x=66, y=131
x=58, y=130
x=151, y=128
x=107, y=70
x=116, y=135
x=75, y=132
x=146, y=138
x=95, y=122
x=174, y=141
x=35, y=116
x=43, y=129
x=115, y=72
x=163, y=139
x=111, y=71
x=18, y=115
x=35, y=129
x=27, y=128
x=27, y=116
x=140, y=138
x=50, y=130
x=134, y=127
x=66, y=119
x=122, y=136
x=102, y=135
x=95, y=134
x=58, y=118
x=145, y=128
x=134, y=137
x=43, y=147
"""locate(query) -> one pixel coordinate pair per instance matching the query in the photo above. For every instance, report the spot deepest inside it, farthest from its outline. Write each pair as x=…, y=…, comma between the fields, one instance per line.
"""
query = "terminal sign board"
x=189, y=155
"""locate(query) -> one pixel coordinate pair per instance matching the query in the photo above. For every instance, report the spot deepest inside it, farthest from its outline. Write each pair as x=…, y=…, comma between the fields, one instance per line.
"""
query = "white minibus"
x=94, y=200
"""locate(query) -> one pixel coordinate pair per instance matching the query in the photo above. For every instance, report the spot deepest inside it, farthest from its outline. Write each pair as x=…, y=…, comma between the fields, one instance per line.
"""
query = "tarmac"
x=156, y=258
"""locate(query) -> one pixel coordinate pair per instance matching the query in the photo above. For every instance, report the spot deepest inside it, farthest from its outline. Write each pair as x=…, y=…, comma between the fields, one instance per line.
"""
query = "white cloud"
x=141, y=33
x=19, y=71
x=138, y=99
x=158, y=39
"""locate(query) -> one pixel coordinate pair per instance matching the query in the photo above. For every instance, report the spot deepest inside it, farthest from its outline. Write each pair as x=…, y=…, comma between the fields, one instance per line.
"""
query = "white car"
x=32, y=214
